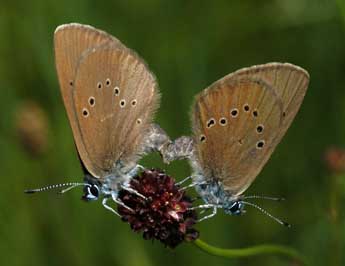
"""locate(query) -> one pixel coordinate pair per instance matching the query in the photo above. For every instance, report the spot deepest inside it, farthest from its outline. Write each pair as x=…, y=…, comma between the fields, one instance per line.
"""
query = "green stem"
x=251, y=251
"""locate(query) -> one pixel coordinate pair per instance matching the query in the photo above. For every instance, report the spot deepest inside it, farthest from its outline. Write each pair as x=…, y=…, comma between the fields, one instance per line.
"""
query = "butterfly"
x=110, y=97
x=237, y=123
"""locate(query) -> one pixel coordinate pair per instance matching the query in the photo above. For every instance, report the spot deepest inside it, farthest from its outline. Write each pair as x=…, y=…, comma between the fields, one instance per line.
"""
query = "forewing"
x=115, y=98
x=70, y=42
x=239, y=120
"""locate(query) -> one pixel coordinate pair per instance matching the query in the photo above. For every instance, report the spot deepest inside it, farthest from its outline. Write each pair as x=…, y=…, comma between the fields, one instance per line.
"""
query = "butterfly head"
x=233, y=207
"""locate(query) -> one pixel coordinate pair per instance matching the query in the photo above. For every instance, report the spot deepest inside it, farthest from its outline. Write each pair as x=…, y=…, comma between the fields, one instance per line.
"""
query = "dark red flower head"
x=164, y=215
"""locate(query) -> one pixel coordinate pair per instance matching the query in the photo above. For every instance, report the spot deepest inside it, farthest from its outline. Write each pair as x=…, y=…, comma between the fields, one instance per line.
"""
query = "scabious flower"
x=164, y=215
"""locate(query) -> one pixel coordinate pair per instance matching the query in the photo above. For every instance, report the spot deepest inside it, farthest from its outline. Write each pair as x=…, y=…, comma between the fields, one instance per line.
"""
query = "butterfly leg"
x=214, y=212
x=104, y=203
x=119, y=202
x=193, y=185
x=131, y=190
x=203, y=206
x=140, y=167
x=135, y=170
x=183, y=180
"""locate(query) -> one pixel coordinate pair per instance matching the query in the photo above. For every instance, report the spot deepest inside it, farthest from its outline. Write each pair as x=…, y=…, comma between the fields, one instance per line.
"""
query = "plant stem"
x=251, y=251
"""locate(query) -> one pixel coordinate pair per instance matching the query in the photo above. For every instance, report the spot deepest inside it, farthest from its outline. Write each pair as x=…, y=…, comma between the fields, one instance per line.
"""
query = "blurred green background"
x=188, y=45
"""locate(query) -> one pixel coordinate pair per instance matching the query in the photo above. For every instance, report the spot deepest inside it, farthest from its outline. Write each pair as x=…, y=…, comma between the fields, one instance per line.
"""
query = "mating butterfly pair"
x=111, y=96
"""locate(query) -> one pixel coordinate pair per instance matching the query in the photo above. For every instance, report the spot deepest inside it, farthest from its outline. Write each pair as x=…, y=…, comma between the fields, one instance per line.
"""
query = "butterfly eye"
x=91, y=192
x=234, y=208
x=94, y=191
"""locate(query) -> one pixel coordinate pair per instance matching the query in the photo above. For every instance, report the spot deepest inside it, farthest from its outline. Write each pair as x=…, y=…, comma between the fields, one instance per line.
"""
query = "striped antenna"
x=267, y=213
x=70, y=185
x=263, y=197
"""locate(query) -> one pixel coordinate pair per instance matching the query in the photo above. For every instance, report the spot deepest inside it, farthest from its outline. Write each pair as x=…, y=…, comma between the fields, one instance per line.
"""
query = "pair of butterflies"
x=111, y=96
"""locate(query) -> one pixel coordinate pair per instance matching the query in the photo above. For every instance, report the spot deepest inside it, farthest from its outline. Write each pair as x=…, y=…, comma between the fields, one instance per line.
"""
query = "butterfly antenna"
x=267, y=213
x=70, y=186
x=263, y=197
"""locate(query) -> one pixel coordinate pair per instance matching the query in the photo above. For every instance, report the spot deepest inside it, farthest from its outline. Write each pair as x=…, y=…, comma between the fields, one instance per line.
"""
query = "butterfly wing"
x=70, y=42
x=239, y=120
x=115, y=98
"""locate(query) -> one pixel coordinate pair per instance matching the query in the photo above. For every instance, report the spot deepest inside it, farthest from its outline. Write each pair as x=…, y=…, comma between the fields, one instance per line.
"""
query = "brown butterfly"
x=237, y=123
x=110, y=97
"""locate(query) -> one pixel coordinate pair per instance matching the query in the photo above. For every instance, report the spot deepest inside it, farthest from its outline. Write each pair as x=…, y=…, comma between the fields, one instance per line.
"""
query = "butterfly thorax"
x=213, y=193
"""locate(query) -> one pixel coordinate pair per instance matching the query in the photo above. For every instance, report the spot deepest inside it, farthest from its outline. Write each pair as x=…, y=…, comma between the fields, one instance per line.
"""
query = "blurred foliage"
x=188, y=45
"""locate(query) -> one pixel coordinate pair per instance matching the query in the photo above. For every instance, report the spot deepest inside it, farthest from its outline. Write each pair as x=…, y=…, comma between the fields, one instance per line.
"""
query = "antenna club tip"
x=281, y=199
x=287, y=224
x=29, y=191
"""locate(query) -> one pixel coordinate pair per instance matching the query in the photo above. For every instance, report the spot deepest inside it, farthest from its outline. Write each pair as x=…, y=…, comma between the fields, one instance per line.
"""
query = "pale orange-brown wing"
x=239, y=120
x=115, y=99
x=70, y=42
